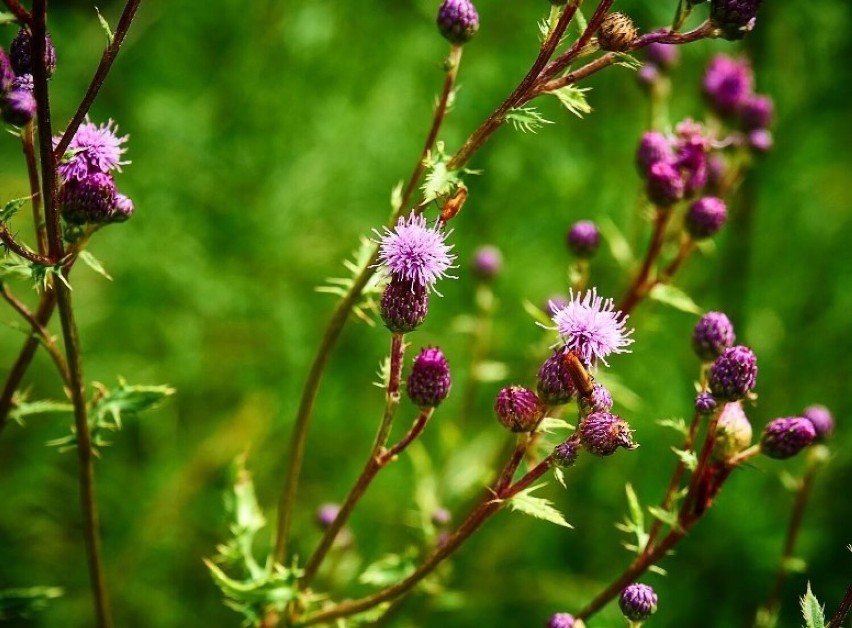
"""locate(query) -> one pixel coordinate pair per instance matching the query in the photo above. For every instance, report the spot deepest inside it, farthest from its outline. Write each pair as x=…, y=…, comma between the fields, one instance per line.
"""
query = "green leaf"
x=537, y=507
x=634, y=507
x=634, y=521
x=668, y=517
x=396, y=197
x=677, y=424
x=114, y=404
x=24, y=603
x=538, y=315
x=440, y=181
x=619, y=247
x=812, y=610
x=105, y=26
x=11, y=208
x=687, y=457
x=551, y=424
x=7, y=18
x=340, y=286
x=387, y=570
x=674, y=297
x=42, y=406
x=580, y=21
x=559, y=474
x=794, y=564
x=94, y=263
x=628, y=61
x=573, y=98
x=526, y=119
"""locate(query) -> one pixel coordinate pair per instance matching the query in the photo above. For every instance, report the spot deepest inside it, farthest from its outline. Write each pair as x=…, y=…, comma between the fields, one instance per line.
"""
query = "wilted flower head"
x=821, y=418
x=415, y=251
x=92, y=149
x=638, y=601
x=592, y=328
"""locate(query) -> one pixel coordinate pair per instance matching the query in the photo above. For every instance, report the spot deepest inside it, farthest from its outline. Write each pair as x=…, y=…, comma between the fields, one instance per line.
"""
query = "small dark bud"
x=784, y=438
x=653, y=147
x=602, y=433
x=599, y=401
x=664, y=56
x=518, y=408
x=561, y=620
x=733, y=374
x=821, y=418
x=712, y=335
x=21, y=53
x=617, y=33
x=638, y=602
x=565, y=454
x=665, y=185
x=441, y=517
x=705, y=403
x=326, y=514
x=7, y=74
x=404, y=305
x=123, y=208
x=458, y=21
x=429, y=382
x=18, y=106
x=757, y=112
x=706, y=217
x=734, y=17
x=583, y=238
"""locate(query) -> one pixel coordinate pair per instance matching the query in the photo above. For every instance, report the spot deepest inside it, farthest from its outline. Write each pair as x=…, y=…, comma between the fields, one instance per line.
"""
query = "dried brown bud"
x=617, y=33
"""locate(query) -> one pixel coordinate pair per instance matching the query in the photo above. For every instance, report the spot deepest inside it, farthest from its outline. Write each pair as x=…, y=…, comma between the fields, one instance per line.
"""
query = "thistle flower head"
x=561, y=620
x=733, y=374
x=785, y=437
x=518, y=408
x=93, y=149
x=429, y=382
x=599, y=401
x=415, y=251
x=583, y=238
x=89, y=200
x=592, y=327
x=565, y=454
x=734, y=17
x=728, y=82
x=554, y=383
x=18, y=106
x=821, y=418
x=638, y=601
x=458, y=21
x=602, y=433
x=665, y=185
x=21, y=53
x=713, y=333
x=404, y=305
x=706, y=216
x=653, y=147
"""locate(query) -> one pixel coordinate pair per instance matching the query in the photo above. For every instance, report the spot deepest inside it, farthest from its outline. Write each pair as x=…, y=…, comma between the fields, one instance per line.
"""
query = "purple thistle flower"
x=487, y=262
x=734, y=17
x=18, y=106
x=599, y=401
x=602, y=433
x=565, y=454
x=429, y=382
x=785, y=437
x=21, y=53
x=554, y=384
x=592, y=328
x=705, y=403
x=404, y=305
x=653, y=147
x=561, y=620
x=518, y=408
x=706, y=217
x=665, y=185
x=92, y=149
x=89, y=200
x=664, y=56
x=728, y=83
x=638, y=601
x=733, y=374
x=123, y=208
x=733, y=431
x=821, y=418
x=757, y=112
x=583, y=238
x=458, y=21
x=415, y=252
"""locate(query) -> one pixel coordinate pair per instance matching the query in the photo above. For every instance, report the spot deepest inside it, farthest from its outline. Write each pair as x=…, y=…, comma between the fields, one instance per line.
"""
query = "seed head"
x=404, y=305
x=638, y=601
x=617, y=33
x=821, y=418
x=583, y=238
x=458, y=21
x=602, y=433
x=518, y=408
x=733, y=374
x=785, y=437
x=429, y=382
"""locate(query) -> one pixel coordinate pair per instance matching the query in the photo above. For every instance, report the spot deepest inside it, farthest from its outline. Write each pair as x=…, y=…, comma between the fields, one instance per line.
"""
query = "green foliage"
x=812, y=610
x=24, y=603
x=367, y=307
x=105, y=26
x=537, y=507
x=573, y=98
x=634, y=522
x=526, y=119
x=94, y=263
x=675, y=297
x=23, y=409
x=11, y=208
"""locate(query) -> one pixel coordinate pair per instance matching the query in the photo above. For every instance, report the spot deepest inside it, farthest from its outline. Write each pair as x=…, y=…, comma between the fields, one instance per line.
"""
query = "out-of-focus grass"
x=265, y=138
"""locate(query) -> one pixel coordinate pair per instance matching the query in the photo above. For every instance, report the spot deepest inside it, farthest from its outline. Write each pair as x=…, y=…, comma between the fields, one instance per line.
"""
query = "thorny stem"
x=39, y=331
x=567, y=57
x=843, y=610
x=640, y=285
x=66, y=312
x=28, y=145
x=415, y=431
x=19, y=249
x=104, y=66
x=487, y=507
x=371, y=468
x=335, y=325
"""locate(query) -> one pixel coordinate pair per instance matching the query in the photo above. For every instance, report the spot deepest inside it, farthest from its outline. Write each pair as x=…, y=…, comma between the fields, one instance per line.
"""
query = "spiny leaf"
x=105, y=26
x=526, y=119
x=628, y=61
x=677, y=424
x=668, y=517
x=440, y=180
x=812, y=610
x=42, y=406
x=128, y=399
x=674, y=297
x=573, y=98
x=94, y=263
x=687, y=457
x=559, y=474
x=537, y=507
x=11, y=208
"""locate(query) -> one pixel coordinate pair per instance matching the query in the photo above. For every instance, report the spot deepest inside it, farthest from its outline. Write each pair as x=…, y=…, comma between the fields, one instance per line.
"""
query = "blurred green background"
x=265, y=139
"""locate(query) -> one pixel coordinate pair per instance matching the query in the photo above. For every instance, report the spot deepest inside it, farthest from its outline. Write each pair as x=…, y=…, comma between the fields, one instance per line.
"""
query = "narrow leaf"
x=94, y=263
x=677, y=424
x=105, y=26
x=618, y=244
x=11, y=208
x=537, y=507
x=7, y=18
x=551, y=424
x=687, y=457
x=668, y=517
x=812, y=610
x=674, y=297
x=23, y=603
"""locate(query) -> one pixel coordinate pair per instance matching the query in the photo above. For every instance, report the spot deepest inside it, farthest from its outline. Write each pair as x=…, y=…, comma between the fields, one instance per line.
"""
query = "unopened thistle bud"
x=733, y=374
x=705, y=403
x=665, y=185
x=821, y=418
x=712, y=335
x=561, y=620
x=617, y=33
x=757, y=112
x=706, y=216
x=554, y=384
x=429, y=382
x=761, y=140
x=599, y=401
x=653, y=147
x=89, y=200
x=458, y=21
x=602, y=433
x=565, y=454
x=785, y=437
x=733, y=431
x=404, y=304
x=487, y=262
x=583, y=238
x=664, y=56
x=638, y=602
x=518, y=408
x=21, y=53
x=18, y=106
x=734, y=17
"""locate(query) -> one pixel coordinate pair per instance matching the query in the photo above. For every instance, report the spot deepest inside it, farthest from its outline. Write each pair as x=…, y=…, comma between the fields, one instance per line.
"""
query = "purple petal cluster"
x=785, y=437
x=713, y=333
x=599, y=401
x=429, y=382
x=487, y=262
x=94, y=148
x=561, y=620
x=565, y=454
x=638, y=601
x=728, y=83
x=458, y=21
x=591, y=327
x=415, y=251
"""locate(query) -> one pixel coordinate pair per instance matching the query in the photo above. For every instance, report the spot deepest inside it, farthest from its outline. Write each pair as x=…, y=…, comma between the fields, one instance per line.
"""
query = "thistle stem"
x=640, y=285
x=843, y=610
x=18, y=10
x=20, y=250
x=28, y=146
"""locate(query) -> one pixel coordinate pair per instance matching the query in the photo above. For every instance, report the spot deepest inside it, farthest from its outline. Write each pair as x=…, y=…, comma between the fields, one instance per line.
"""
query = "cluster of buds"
x=729, y=88
x=17, y=100
x=734, y=18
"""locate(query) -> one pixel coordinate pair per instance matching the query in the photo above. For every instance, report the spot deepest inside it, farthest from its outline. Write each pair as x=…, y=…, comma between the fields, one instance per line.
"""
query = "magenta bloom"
x=95, y=149
x=416, y=252
x=591, y=327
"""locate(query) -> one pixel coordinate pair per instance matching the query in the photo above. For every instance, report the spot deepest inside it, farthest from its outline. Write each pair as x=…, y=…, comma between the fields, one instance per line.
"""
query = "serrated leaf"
x=105, y=26
x=440, y=181
x=550, y=424
x=677, y=424
x=128, y=399
x=94, y=263
x=674, y=297
x=537, y=507
x=627, y=60
x=23, y=603
x=7, y=18
x=42, y=406
x=668, y=517
x=687, y=457
x=619, y=247
x=559, y=474
x=383, y=374
x=387, y=570
x=573, y=98
x=526, y=119
x=11, y=208
x=812, y=610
